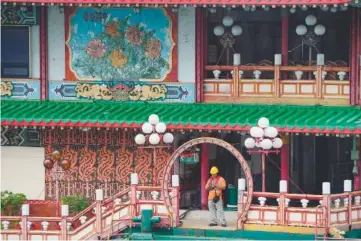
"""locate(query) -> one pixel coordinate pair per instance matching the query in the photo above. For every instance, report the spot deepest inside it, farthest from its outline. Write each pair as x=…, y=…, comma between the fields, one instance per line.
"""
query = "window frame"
x=29, y=53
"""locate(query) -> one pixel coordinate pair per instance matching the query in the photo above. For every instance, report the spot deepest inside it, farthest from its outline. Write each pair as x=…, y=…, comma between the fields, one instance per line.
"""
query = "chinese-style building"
x=82, y=77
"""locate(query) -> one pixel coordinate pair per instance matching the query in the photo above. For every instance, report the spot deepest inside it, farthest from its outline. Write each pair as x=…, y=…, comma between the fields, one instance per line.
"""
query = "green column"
x=146, y=220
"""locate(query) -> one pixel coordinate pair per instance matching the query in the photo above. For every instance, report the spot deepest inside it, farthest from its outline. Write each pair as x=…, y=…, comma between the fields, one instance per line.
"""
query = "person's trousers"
x=217, y=212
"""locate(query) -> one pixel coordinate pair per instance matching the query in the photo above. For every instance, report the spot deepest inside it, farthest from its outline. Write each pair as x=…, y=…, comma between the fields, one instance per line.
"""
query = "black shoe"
x=224, y=225
x=212, y=224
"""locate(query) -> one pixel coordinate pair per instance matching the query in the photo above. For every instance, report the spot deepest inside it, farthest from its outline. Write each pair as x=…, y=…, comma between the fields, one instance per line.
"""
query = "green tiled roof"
x=217, y=116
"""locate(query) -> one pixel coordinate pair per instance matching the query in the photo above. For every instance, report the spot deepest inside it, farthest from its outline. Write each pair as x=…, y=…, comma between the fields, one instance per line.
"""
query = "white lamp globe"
x=343, y=8
x=277, y=143
x=301, y=30
x=249, y=143
x=153, y=119
x=139, y=139
x=325, y=8
x=147, y=128
x=310, y=20
x=227, y=21
x=266, y=144
x=333, y=10
x=160, y=127
x=320, y=30
x=168, y=138
x=218, y=30
x=236, y=30
x=154, y=139
x=270, y=132
x=256, y=132
x=213, y=10
x=263, y=122
x=292, y=10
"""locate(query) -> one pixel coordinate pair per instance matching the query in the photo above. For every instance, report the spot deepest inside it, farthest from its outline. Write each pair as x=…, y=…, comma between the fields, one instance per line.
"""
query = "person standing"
x=215, y=187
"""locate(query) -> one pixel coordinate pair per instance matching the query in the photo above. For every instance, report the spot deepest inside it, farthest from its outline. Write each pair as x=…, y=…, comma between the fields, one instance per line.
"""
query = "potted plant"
x=76, y=203
x=11, y=203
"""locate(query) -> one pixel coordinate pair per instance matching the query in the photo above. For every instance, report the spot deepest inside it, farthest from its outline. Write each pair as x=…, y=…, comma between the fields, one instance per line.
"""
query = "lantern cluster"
x=54, y=157
x=154, y=130
x=263, y=136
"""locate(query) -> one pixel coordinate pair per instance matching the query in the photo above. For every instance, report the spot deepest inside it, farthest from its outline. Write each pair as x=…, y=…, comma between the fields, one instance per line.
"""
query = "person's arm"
x=208, y=186
x=222, y=184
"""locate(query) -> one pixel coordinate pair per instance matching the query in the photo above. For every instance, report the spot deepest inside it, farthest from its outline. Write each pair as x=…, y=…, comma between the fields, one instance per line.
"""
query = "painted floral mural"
x=120, y=44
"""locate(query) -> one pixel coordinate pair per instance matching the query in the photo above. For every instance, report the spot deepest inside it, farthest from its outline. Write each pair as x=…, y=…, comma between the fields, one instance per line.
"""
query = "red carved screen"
x=101, y=159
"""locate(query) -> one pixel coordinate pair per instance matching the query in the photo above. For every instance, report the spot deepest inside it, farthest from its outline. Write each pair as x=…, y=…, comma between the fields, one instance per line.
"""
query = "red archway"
x=166, y=182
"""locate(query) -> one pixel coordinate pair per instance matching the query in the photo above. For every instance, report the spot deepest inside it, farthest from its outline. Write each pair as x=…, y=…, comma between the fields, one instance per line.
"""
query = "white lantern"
x=236, y=30
x=263, y=122
x=213, y=10
x=270, y=132
x=266, y=144
x=139, y=139
x=324, y=8
x=160, y=127
x=310, y=20
x=256, y=132
x=147, y=128
x=153, y=119
x=301, y=30
x=154, y=139
x=250, y=143
x=320, y=30
x=292, y=10
x=218, y=31
x=168, y=138
x=227, y=21
x=277, y=143
x=333, y=10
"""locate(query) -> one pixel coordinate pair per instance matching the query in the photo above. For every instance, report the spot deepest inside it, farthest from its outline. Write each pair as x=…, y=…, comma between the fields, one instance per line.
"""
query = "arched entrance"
x=166, y=182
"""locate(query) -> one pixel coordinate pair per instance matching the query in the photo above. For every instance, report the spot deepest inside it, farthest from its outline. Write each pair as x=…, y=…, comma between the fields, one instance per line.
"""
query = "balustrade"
x=277, y=84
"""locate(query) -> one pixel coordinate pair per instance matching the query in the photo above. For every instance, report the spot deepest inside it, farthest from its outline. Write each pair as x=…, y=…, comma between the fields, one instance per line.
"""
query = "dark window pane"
x=15, y=51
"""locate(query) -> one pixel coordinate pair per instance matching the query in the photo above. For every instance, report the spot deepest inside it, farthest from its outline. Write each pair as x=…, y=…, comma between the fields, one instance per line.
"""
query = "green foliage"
x=11, y=202
x=77, y=203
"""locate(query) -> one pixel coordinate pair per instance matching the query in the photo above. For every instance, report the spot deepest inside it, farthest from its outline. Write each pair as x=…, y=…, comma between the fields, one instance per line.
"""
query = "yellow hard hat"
x=214, y=170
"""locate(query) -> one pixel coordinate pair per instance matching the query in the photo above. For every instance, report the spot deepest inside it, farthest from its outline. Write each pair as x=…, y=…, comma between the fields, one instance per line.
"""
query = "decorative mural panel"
x=122, y=91
x=11, y=89
x=121, y=44
x=20, y=137
x=19, y=15
x=100, y=159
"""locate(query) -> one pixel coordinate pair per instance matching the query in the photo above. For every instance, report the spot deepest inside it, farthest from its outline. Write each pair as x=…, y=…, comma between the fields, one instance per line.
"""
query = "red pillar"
x=204, y=175
x=355, y=51
x=201, y=43
x=43, y=29
x=285, y=154
x=357, y=178
x=284, y=26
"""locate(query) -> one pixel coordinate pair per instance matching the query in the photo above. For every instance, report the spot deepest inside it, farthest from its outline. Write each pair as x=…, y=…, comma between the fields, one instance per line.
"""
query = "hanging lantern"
x=65, y=164
x=56, y=155
x=48, y=164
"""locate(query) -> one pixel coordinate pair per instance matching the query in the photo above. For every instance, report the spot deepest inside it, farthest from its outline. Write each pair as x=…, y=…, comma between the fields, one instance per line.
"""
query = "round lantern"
x=218, y=31
x=292, y=10
x=333, y=10
x=153, y=119
x=160, y=127
x=250, y=143
x=270, y=132
x=263, y=122
x=256, y=132
x=266, y=144
x=139, y=139
x=227, y=21
x=65, y=164
x=168, y=138
x=48, y=164
x=56, y=155
x=213, y=10
x=277, y=143
x=236, y=30
x=320, y=30
x=147, y=128
x=154, y=139
x=301, y=30
x=310, y=20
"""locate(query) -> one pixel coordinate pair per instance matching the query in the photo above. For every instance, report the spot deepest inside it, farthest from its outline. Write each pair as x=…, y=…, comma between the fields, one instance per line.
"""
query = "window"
x=15, y=52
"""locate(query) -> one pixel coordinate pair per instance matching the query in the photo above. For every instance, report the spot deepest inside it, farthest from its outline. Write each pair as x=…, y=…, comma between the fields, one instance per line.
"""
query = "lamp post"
x=263, y=140
x=310, y=36
x=227, y=38
x=154, y=136
x=61, y=166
